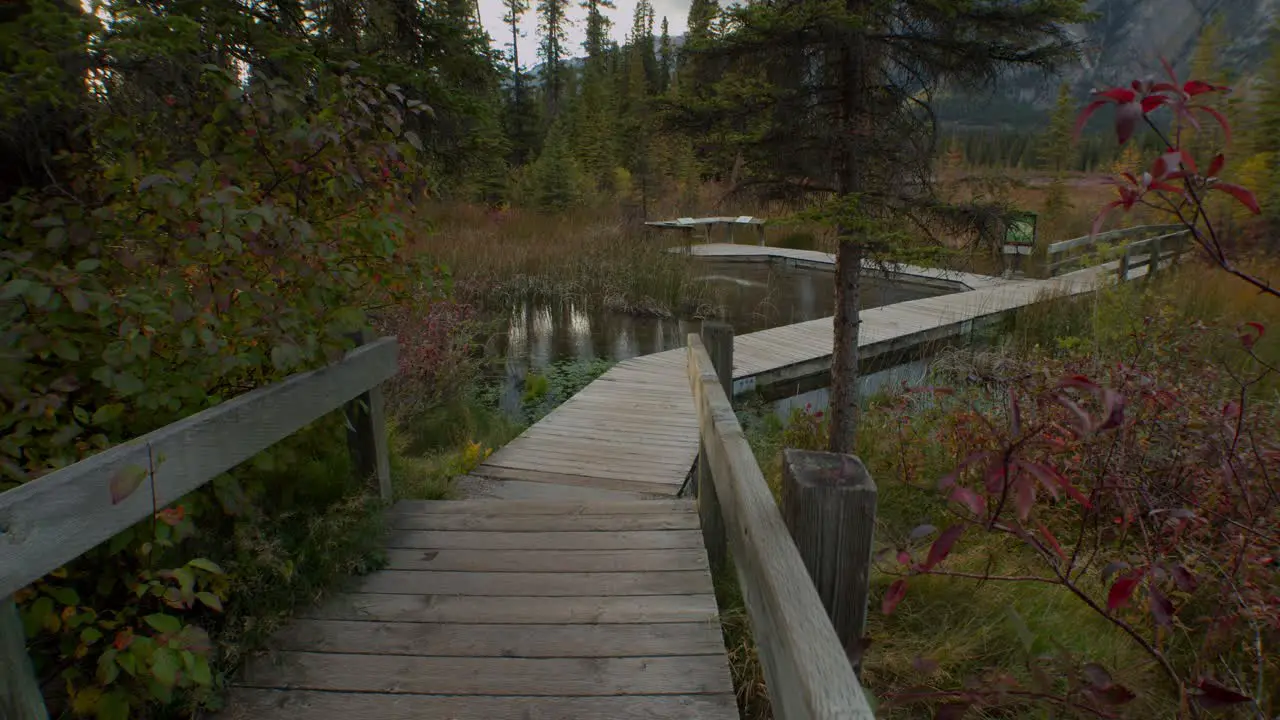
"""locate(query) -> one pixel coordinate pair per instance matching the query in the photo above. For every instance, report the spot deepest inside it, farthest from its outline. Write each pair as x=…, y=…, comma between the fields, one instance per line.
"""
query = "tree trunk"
x=855, y=72
x=844, y=361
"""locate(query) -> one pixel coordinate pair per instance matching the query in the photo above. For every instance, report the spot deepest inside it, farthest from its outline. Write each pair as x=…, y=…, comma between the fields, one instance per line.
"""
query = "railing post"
x=367, y=434
x=717, y=337
x=1153, y=256
x=829, y=506
x=20, y=697
x=1124, y=263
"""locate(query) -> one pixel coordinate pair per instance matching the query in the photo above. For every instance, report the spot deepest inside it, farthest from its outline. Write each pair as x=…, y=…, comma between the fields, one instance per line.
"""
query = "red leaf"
x=171, y=516
x=1222, y=120
x=1085, y=114
x=969, y=499
x=1245, y=197
x=1215, y=166
x=1053, y=541
x=1212, y=695
x=1127, y=117
x=1122, y=590
x=893, y=596
x=1199, y=87
x=942, y=546
x=1119, y=95
x=1102, y=216
x=1250, y=337
x=1050, y=477
x=1151, y=102
x=1078, y=381
x=904, y=558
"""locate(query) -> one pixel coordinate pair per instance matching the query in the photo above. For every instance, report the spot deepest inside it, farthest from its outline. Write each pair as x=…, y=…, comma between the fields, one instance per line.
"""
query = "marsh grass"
x=586, y=257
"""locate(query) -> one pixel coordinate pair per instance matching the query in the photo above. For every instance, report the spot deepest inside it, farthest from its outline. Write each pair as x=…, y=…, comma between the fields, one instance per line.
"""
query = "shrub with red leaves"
x=1148, y=491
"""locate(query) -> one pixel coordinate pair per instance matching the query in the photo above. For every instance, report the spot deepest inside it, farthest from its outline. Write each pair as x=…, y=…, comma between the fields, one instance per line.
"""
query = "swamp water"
x=570, y=344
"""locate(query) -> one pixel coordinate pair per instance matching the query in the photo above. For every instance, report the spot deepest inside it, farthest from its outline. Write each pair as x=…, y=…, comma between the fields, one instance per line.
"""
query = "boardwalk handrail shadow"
x=52, y=520
x=805, y=666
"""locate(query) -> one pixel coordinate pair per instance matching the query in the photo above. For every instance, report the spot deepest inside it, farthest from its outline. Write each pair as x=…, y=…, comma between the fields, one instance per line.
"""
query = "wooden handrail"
x=52, y=520
x=805, y=666
x=1086, y=240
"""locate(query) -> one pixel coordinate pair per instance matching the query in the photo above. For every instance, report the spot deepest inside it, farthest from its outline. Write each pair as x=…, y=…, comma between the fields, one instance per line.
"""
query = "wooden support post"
x=760, y=234
x=367, y=434
x=829, y=506
x=1124, y=263
x=718, y=339
x=1179, y=245
x=20, y=697
x=1153, y=256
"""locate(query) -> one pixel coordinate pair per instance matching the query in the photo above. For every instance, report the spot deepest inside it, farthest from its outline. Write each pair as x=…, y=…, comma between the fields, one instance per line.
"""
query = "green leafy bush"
x=220, y=240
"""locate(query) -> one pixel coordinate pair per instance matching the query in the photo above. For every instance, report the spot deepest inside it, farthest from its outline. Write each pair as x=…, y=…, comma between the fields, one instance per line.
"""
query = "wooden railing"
x=806, y=666
x=1064, y=255
x=50, y=521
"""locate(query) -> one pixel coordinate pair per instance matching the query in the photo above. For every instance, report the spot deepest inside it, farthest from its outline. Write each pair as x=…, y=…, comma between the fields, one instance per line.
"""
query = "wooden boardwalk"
x=510, y=610
x=594, y=600
x=633, y=429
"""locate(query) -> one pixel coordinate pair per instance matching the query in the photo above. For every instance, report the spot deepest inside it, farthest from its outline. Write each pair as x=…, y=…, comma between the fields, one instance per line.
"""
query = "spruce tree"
x=553, y=26
x=666, y=58
x=598, y=26
x=1058, y=153
x=850, y=121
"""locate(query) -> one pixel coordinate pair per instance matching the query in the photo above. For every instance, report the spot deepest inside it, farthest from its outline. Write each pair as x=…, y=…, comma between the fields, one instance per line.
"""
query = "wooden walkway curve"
x=632, y=431
x=509, y=610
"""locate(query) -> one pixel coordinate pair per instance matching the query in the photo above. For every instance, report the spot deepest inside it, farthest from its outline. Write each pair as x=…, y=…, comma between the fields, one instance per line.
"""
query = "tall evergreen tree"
x=521, y=116
x=666, y=58
x=848, y=120
x=553, y=25
x=598, y=26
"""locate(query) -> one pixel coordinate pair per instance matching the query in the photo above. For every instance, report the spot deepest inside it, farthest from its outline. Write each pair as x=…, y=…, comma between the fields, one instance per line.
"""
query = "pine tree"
x=1058, y=154
x=598, y=26
x=555, y=177
x=667, y=58
x=553, y=25
x=831, y=92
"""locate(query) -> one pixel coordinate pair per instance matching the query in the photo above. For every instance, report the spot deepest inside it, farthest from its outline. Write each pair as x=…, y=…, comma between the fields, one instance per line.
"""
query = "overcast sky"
x=491, y=12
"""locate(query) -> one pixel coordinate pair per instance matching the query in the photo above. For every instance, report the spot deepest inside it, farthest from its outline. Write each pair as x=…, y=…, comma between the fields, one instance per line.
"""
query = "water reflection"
x=752, y=296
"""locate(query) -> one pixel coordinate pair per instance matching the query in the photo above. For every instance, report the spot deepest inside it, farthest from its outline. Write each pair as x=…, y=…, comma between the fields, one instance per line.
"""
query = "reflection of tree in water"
x=580, y=333
x=542, y=328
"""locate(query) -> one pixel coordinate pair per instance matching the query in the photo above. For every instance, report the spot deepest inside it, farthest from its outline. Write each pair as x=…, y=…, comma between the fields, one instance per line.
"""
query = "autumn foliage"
x=1147, y=489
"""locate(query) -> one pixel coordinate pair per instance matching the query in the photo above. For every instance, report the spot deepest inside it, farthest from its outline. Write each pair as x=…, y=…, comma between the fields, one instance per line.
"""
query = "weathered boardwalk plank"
x=509, y=609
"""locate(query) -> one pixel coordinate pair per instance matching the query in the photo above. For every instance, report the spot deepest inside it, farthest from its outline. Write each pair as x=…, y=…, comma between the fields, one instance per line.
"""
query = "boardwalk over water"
x=634, y=429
